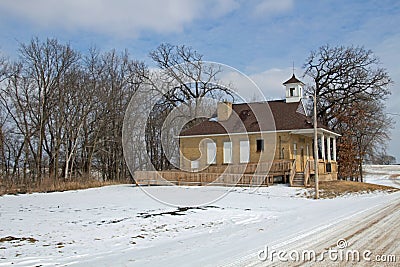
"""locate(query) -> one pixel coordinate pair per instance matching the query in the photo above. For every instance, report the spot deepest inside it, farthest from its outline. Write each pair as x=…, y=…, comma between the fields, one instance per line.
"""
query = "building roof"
x=256, y=117
x=293, y=79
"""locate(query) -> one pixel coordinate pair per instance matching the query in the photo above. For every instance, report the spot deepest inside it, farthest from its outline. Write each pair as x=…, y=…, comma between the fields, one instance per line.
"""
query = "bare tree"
x=3, y=161
x=363, y=126
x=186, y=76
x=4, y=68
x=351, y=87
x=112, y=78
x=382, y=158
x=44, y=66
x=17, y=99
x=5, y=72
x=184, y=80
x=62, y=114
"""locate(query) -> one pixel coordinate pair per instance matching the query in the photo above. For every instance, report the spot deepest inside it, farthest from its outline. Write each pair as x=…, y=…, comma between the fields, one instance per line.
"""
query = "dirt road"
x=370, y=238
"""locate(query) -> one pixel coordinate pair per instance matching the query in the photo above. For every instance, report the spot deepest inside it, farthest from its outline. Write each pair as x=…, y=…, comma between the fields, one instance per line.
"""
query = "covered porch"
x=327, y=155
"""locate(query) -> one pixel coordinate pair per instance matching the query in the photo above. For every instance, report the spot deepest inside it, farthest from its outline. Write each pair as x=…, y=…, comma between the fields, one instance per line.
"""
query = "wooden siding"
x=277, y=146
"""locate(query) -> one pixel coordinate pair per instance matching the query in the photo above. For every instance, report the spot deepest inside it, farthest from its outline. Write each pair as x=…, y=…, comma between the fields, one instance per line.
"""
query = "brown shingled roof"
x=292, y=80
x=283, y=116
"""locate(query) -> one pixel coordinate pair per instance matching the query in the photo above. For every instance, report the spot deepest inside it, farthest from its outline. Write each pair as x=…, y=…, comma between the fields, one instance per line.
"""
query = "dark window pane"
x=260, y=145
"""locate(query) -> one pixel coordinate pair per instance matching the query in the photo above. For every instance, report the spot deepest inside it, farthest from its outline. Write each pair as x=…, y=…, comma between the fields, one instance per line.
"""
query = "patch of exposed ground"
x=179, y=211
x=332, y=189
x=52, y=186
x=13, y=239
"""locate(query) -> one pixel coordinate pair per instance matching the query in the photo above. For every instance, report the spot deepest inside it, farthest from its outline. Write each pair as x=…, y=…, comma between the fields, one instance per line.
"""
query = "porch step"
x=298, y=179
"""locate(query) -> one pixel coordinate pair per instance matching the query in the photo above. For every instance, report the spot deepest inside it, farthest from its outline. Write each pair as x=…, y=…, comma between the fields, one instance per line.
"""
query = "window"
x=227, y=152
x=292, y=91
x=211, y=153
x=328, y=167
x=294, y=150
x=244, y=151
x=319, y=148
x=260, y=145
x=194, y=165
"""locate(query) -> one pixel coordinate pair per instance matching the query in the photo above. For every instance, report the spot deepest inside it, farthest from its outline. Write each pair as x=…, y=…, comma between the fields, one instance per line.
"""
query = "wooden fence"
x=251, y=174
x=201, y=179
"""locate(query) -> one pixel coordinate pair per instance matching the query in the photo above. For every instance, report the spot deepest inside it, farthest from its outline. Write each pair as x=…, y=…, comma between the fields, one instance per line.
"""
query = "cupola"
x=294, y=89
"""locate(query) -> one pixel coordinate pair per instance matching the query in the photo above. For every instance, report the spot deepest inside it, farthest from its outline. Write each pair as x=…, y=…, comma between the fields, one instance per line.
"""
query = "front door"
x=302, y=163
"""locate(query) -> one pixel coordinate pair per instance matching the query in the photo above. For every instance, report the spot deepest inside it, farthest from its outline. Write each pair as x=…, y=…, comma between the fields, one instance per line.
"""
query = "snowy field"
x=123, y=226
x=384, y=175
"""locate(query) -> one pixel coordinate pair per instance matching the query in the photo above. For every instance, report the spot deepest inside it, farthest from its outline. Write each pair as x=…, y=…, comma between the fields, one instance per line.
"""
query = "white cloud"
x=222, y=7
x=272, y=7
x=265, y=85
x=243, y=86
x=270, y=82
x=124, y=18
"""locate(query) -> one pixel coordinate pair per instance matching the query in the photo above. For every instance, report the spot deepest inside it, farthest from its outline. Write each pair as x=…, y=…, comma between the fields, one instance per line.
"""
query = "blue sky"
x=260, y=38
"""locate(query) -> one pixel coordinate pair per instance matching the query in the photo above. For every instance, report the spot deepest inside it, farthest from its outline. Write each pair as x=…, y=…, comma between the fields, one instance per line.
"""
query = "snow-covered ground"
x=123, y=226
x=388, y=175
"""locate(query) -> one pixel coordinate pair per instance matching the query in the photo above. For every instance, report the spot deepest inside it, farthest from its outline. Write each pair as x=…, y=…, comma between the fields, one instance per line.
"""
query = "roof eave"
x=294, y=131
x=319, y=131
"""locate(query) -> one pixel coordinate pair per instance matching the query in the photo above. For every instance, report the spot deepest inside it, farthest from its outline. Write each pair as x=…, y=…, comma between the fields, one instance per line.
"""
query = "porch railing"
x=322, y=169
x=251, y=174
x=277, y=166
x=192, y=178
x=307, y=171
x=292, y=172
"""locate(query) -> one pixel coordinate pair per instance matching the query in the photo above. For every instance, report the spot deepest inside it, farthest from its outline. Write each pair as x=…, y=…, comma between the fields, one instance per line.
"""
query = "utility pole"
x=316, y=146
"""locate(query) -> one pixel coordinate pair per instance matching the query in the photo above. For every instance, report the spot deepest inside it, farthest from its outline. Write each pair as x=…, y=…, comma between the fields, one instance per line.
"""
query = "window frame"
x=208, y=149
x=241, y=151
x=227, y=157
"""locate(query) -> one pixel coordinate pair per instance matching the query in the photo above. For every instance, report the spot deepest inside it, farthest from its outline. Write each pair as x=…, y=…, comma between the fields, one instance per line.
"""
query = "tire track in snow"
x=375, y=229
x=395, y=179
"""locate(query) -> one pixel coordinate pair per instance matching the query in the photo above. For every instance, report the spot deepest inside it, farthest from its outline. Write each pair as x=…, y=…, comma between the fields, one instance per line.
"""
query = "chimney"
x=224, y=110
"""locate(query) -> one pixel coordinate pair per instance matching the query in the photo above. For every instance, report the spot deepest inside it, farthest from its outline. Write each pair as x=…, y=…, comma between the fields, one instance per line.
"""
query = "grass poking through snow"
x=52, y=186
x=332, y=189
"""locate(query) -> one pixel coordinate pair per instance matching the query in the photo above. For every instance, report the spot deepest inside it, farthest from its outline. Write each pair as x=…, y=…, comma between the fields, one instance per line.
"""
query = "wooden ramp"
x=251, y=174
x=200, y=178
